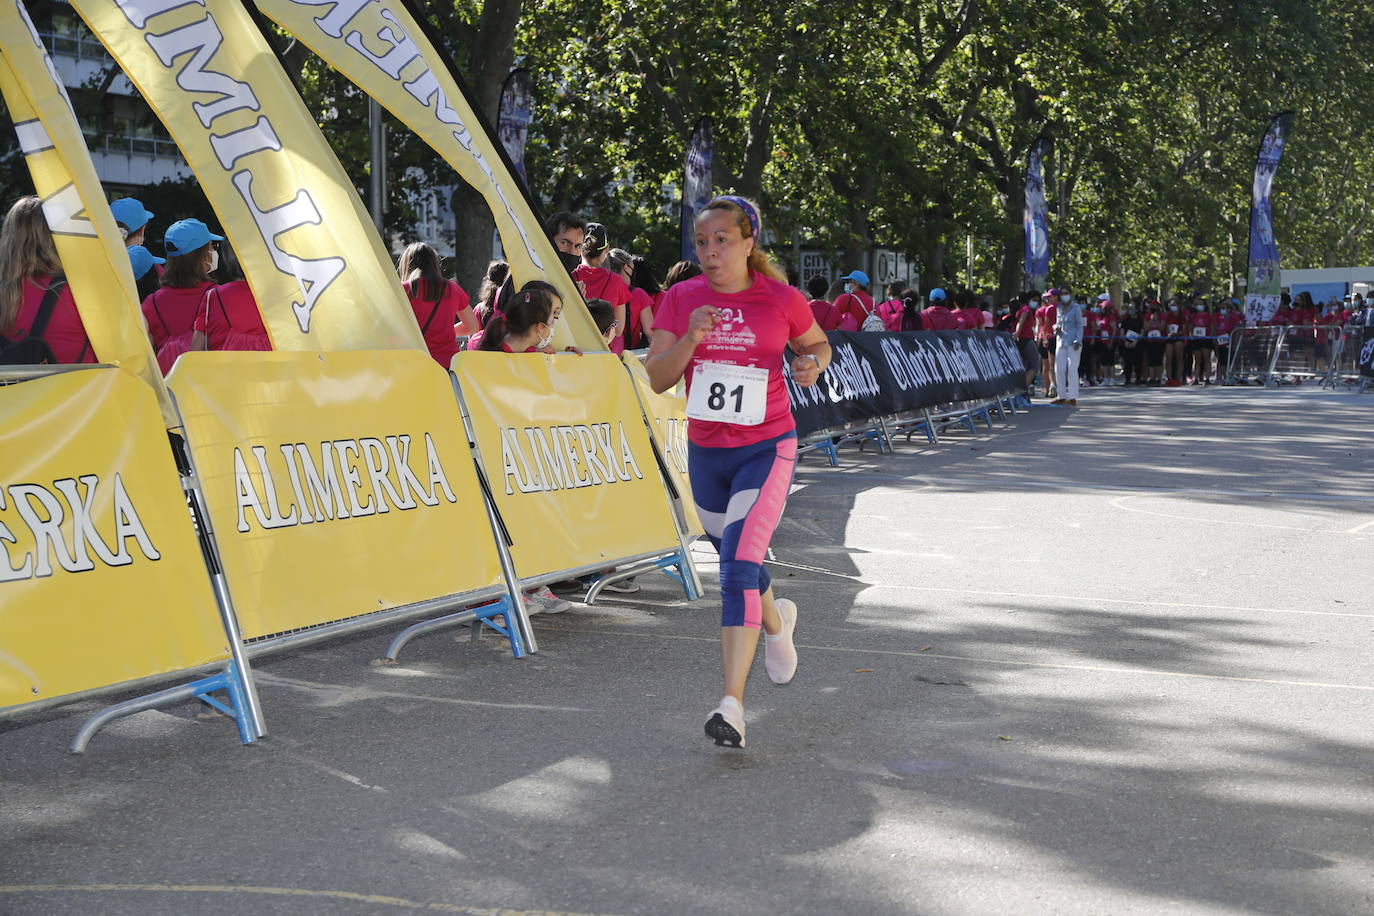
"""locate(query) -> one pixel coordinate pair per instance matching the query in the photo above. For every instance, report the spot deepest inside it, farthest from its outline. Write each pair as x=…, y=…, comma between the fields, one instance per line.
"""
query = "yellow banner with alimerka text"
x=381, y=48
x=88, y=242
x=338, y=483
x=102, y=581
x=319, y=272
x=567, y=454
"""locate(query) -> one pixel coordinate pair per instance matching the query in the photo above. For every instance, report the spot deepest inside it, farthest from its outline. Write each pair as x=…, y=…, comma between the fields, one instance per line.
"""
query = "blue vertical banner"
x=1035, y=215
x=696, y=182
x=513, y=118
x=1263, y=285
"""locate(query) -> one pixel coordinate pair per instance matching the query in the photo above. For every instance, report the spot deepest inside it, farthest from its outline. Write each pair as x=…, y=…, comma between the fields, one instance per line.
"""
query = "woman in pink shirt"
x=30, y=275
x=726, y=333
x=598, y=282
x=192, y=256
x=229, y=318
x=440, y=305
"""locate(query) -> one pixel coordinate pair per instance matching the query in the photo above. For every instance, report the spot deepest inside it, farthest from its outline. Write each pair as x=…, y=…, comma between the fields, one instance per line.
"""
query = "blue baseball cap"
x=130, y=212
x=142, y=260
x=937, y=295
x=858, y=276
x=185, y=236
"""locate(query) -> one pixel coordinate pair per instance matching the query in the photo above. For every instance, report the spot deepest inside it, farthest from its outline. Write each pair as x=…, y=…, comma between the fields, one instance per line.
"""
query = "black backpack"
x=31, y=349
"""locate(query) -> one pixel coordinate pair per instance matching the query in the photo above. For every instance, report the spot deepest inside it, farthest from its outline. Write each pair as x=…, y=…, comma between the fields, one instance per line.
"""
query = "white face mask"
x=545, y=341
x=1065, y=299
x=214, y=260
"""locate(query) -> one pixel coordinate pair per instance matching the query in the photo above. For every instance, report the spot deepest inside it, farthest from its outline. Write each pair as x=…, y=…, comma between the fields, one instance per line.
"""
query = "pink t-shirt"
x=230, y=320
x=939, y=318
x=970, y=319
x=436, y=319
x=639, y=301
x=758, y=324
x=65, y=334
x=602, y=284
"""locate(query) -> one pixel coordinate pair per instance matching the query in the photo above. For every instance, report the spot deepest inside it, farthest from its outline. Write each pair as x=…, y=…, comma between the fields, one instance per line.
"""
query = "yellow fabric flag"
x=88, y=241
x=319, y=272
x=380, y=47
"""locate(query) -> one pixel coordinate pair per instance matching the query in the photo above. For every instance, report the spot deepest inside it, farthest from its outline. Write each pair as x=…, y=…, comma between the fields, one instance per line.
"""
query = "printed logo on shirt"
x=546, y=459
x=44, y=511
x=342, y=479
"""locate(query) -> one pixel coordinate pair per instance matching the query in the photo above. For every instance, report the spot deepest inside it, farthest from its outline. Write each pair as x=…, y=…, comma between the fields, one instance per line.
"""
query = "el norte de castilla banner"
x=879, y=374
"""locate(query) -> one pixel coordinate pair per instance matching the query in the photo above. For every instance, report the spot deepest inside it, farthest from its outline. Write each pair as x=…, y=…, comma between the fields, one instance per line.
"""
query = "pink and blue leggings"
x=740, y=493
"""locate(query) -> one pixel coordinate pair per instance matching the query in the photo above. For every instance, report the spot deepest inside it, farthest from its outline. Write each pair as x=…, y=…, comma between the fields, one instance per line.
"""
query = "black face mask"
x=570, y=261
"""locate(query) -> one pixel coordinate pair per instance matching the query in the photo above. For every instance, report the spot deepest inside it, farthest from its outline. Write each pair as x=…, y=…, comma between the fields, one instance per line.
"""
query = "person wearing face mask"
x=600, y=283
x=1045, y=316
x=937, y=316
x=171, y=310
x=1201, y=342
x=1100, y=328
x=855, y=302
x=1068, y=350
x=524, y=324
x=1175, y=345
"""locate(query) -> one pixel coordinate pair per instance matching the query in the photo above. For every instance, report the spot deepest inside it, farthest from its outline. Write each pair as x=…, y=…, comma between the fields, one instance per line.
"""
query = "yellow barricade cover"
x=381, y=49
x=319, y=272
x=669, y=413
x=568, y=458
x=102, y=581
x=338, y=483
x=84, y=230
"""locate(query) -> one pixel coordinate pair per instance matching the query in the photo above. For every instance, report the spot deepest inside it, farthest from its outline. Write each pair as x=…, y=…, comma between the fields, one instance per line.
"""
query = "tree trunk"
x=1011, y=275
x=489, y=60
x=1117, y=280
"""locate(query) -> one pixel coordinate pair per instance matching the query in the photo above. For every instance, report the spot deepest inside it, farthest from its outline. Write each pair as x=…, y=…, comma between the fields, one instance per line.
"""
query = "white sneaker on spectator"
x=779, y=653
x=545, y=601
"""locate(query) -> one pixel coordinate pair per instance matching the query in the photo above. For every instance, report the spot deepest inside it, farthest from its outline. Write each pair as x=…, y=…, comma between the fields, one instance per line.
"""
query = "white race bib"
x=725, y=393
x=1199, y=332
x=1131, y=335
x=1172, y=328
x=1154, y=333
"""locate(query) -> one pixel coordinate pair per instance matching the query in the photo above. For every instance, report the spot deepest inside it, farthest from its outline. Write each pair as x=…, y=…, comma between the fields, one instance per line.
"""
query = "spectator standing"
x=36, y=304
x=936, y=316
x=1045, y=316
x=1023, y=329
x=229, y=318
x=147, y=270
x=1068, y=332
x=893, y=310
x=192, y=256
x=855, y=300
x=969, y=316
x=1129, y=331
x=598, y=282
x=439, y=304
x=132, y=219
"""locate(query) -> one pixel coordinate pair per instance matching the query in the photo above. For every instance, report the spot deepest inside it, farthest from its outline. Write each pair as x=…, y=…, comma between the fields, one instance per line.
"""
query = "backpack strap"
x=45, y=310
x=222, y=313
x=432, y=312
x=158, y=312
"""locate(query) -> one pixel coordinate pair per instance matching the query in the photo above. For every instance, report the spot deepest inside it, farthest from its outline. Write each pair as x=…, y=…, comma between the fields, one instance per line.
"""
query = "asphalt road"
x=1112, y=660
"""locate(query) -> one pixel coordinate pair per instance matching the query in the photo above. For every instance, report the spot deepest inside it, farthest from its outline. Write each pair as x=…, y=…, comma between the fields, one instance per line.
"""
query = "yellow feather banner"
x=316, y=265
x=88, y=241
x=382, y=49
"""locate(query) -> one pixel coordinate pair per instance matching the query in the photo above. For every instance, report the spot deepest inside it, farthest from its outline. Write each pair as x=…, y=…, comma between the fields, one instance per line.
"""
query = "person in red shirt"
x=441, y=308
x=969, y=315
x=855, y=300
x=1152, y=326
x=639, y=277
x=1024, y=332
x=726, y=333
x=936, y=316
x=1175, y=344
x=29, y=271
x=1045, y=317
x=598, y=282
x=229, y=318
x=192, y=256
x=1227, y=318
x=1201, y=341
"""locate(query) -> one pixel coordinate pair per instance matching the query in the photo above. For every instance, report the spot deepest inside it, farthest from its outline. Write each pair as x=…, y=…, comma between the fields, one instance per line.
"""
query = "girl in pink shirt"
x=29, y=271
x=726, y=332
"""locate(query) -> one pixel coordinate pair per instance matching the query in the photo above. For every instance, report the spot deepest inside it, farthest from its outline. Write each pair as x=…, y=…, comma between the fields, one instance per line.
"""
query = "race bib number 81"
x=724, y=393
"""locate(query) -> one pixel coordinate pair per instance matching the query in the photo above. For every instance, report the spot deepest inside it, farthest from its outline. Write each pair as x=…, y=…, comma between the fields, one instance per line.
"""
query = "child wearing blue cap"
x=132, y=219
x=171, y=310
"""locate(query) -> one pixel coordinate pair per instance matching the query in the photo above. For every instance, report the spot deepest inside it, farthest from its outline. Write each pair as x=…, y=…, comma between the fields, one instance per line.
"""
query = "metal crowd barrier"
x=930, y=422
x=1266, y=356
x=1345, y=359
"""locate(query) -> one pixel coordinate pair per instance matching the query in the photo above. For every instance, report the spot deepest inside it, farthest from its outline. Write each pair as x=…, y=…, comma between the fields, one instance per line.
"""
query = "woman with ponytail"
x=439, y=304
x=726, y=332
x=35, y=301
x=524, y=324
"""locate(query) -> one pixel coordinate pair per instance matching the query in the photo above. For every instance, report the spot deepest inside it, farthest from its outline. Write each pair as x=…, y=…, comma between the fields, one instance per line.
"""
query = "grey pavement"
x=1111, y=660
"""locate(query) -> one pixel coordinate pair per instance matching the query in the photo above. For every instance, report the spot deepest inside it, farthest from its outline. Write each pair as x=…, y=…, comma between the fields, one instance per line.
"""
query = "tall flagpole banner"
x=83, y=228
x=1036, y=218
x=696, y=183
x=513, y=120
x=378, y=45
x=1263, y=283
x=317, y=267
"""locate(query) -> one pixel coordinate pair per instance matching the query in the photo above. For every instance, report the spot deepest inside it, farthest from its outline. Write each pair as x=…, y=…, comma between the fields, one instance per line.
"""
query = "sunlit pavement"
x=1105, y=660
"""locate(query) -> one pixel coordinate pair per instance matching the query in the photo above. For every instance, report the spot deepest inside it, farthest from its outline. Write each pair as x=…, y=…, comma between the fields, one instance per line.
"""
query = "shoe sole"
x=722, y=732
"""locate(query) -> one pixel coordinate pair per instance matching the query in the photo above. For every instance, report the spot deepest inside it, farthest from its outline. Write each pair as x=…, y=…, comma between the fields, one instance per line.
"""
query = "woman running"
x=726, y=332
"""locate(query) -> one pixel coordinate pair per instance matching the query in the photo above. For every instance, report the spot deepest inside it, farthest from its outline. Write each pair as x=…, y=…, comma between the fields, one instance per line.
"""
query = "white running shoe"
x=543, y=601
x=779, y=654
x=726, y=725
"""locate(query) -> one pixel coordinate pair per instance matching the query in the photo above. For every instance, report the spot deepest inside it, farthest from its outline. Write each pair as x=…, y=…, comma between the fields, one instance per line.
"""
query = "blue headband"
x=749, y=211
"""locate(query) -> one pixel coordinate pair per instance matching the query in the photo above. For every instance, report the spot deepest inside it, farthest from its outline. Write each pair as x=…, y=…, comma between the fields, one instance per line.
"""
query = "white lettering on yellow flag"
x=88, y=242
x=377, y=45
x=322, y=279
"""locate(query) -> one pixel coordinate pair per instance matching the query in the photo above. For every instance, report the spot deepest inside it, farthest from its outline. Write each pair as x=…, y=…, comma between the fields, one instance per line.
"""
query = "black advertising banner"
x=1366, y=357
x=878, y=373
